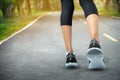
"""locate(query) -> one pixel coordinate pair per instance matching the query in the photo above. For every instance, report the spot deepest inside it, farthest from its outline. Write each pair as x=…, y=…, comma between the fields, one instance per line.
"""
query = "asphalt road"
x=38, y=52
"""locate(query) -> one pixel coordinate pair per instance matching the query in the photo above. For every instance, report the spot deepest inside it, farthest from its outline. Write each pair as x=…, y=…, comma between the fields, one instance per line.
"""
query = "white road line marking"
x=110, y=37
x=22, y=29
x=84, y=22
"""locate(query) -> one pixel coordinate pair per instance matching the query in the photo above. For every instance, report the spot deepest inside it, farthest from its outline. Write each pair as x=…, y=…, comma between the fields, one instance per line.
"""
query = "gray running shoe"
x=95, y=56
x=71, y=61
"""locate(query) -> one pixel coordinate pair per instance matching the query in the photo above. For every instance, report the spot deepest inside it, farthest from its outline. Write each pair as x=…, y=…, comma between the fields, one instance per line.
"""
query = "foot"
x=71, y=61
x=95, y=56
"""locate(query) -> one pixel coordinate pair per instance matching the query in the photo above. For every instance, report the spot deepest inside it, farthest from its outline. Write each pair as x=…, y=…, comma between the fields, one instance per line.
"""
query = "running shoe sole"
x=95, y=56
x=71, y=65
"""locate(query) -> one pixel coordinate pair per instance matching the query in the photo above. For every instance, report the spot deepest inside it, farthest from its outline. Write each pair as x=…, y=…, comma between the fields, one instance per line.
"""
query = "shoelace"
x=70, y=55
x=94, y=42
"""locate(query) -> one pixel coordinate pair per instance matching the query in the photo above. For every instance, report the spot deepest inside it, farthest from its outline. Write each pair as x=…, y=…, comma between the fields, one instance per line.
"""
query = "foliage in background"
x=108, y=7
x=22, y=7
x=11, y=25
x=15, y=14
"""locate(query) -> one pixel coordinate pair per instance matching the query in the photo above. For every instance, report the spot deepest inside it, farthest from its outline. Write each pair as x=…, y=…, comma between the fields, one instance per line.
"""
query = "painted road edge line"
x=84, y=22
x=115, y=17
x=110, y=37
x=23, y=28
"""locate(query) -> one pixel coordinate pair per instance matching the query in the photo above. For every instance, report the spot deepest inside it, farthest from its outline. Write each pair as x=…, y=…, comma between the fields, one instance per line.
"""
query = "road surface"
x=38, y=52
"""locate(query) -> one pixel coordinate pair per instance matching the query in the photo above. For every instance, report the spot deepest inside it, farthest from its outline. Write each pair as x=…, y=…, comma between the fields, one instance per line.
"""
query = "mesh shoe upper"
x=94, y=43
x=71, y=58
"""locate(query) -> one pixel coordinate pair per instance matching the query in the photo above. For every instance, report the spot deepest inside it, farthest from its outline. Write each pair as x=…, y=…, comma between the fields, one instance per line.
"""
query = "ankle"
x=95, y=38
x=94, y=43
x=69, y=52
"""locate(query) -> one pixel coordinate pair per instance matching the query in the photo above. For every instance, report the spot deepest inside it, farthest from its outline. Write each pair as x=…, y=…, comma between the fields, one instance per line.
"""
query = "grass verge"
x=109, y=12
x=10, y=26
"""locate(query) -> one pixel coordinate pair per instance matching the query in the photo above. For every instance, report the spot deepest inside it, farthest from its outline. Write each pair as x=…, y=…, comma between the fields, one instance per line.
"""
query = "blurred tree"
x=37, y=5
x=46, y=5
x=118, y=3
x=8, y=7
x=1, y=4
x=106, y=4
x=28, y=5
x=19, y=5
x=56, y=4
x=114, y=6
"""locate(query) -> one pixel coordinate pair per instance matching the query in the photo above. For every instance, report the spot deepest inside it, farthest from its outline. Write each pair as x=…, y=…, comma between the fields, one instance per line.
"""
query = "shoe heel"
x=96, y=59
x=96, y=63
x=71, y=65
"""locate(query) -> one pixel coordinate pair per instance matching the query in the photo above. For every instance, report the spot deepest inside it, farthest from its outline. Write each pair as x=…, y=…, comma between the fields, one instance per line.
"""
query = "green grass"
x=10, y=26
x=109, y=12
